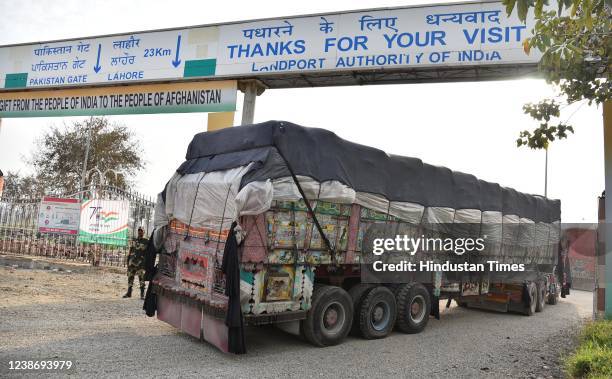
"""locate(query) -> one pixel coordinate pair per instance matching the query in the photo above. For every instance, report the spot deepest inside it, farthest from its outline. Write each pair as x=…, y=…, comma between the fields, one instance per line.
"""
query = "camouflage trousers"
x=133, y=272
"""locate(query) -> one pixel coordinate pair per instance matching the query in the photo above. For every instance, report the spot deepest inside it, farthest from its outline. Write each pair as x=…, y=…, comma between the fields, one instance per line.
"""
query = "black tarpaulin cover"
x=323, y=156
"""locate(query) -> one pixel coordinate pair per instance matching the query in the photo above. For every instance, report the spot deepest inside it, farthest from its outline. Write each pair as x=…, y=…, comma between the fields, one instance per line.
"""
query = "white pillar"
x=251, y=89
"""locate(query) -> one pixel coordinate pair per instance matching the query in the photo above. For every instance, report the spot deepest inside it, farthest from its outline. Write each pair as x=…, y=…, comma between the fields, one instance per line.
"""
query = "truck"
x=275, y=223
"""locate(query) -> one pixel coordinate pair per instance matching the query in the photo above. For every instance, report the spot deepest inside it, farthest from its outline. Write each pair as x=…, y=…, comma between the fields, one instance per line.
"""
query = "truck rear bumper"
x=192, y=320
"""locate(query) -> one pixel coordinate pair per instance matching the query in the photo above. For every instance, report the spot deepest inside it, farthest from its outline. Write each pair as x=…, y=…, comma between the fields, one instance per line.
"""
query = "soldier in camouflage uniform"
x=136, y=263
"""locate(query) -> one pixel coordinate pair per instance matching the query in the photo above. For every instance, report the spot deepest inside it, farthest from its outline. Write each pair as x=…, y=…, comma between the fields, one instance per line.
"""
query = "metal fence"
x=19, y=228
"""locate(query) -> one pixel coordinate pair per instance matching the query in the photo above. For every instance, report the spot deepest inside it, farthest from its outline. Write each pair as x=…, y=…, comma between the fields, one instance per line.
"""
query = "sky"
x=469, y=127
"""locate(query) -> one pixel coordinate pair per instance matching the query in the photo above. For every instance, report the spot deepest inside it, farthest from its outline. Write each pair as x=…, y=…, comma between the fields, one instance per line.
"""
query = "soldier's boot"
x=128, y=293
x=142, y=293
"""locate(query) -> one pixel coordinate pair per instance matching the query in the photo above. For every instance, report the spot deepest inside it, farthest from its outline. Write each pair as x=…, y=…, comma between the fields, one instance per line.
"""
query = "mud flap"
x=565, y=290
x=150, y=302
x=526, y=296
x=435, y=307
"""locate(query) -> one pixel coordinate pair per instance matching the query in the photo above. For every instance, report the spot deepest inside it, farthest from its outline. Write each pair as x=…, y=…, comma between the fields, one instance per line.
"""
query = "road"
x=47, y=313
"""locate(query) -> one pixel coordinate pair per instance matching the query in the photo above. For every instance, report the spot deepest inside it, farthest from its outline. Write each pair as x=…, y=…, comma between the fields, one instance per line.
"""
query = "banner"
x=104, y=222
x=60, y=216
x=217, y=96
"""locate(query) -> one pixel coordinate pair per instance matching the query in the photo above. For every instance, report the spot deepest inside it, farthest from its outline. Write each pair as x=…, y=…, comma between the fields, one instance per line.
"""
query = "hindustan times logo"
x=430, y=266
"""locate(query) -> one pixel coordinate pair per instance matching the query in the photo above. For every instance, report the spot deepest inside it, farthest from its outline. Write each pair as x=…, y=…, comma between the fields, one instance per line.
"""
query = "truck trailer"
x=275, y=223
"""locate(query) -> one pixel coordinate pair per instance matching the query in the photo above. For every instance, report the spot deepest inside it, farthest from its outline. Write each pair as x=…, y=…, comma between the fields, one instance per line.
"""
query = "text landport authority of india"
x=459, y=246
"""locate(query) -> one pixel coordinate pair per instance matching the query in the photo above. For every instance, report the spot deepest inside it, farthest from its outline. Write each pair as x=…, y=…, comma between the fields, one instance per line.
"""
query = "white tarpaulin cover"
x=240, y=171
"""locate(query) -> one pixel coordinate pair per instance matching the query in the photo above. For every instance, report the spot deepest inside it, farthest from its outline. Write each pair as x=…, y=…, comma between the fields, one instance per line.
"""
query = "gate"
x=19, y=228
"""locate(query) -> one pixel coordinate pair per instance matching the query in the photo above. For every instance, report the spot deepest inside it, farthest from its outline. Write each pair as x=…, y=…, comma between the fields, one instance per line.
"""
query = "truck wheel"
x=413, y=308
x=541, y=297
x=533, y=294
x=553, y=298
x=357, y=292
x=377, y=313
x=330, y=316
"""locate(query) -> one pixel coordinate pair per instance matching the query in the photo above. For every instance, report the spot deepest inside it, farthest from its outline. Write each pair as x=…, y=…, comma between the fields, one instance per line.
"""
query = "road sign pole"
x=607, y=118
x=87, y=146
x=251, y=89
x=546, y=174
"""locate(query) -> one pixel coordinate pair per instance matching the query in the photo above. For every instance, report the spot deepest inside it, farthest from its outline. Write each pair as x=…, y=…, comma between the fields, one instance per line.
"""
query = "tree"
x=20, y=187
x=575, y=44
x=59, y=155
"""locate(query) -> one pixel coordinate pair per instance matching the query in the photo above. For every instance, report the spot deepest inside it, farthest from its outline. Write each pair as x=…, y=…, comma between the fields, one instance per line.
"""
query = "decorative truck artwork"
x=278, y=223
x=1, y=183
x=104, y=222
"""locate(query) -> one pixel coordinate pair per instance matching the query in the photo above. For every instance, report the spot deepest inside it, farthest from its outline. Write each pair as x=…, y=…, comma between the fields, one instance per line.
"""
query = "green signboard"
x=104, y=222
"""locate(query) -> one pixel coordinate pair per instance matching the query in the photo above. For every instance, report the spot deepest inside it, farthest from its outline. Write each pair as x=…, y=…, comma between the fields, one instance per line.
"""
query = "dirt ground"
x=79, y=314
x=20, y=287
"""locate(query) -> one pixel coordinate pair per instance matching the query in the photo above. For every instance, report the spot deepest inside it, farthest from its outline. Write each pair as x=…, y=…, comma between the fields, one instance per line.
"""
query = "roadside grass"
x=593, y=357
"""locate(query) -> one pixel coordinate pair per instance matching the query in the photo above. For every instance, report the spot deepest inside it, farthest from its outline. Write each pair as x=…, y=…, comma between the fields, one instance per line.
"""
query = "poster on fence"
x=104, y=222
x=59, y=216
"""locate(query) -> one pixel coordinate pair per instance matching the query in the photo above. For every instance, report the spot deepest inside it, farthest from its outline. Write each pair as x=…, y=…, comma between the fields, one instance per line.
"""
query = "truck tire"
x=413, y=308
x=377, y=313
x=330, y=316
x=541, y=297
x=357, y=292
x=529, y=309
x=553, y=298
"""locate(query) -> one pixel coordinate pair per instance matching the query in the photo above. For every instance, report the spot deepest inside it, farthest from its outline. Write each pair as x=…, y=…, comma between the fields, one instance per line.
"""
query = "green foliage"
x=575, y=44
x=544, y=112
x=599, y=333
x=593, y=358
x=58, y=157
x=21, y=187
x=590, y=362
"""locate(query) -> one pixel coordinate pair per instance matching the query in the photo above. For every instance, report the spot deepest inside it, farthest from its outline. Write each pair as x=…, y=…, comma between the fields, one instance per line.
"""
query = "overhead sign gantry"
x=468, y=41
